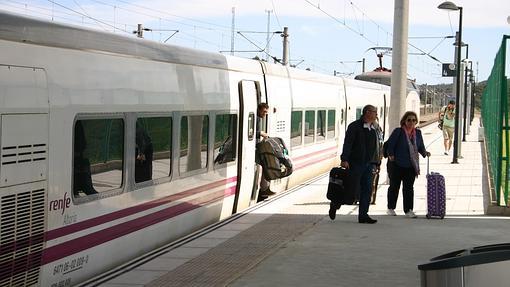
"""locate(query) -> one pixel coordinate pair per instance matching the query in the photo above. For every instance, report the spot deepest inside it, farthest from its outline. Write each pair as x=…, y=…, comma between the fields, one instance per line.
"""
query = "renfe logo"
x=60, y=203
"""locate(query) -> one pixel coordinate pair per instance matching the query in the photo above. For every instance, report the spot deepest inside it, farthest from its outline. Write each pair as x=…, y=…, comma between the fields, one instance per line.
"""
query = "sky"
x=326, y=36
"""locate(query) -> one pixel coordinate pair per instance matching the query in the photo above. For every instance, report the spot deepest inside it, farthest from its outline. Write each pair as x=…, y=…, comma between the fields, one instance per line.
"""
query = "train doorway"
x=249, y=93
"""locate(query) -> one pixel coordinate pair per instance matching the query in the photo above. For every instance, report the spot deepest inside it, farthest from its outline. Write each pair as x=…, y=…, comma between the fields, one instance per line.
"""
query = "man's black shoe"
x=261, y=198
x=332, y=211
x=367, y=220
x=267, y=192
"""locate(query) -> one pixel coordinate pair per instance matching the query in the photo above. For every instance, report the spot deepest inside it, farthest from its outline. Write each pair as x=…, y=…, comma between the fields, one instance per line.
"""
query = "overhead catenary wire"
x=362, y=35
x=84, y=15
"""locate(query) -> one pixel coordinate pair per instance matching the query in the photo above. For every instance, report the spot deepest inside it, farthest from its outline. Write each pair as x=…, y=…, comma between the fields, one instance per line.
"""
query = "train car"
x=382, y=76
x=113, y=146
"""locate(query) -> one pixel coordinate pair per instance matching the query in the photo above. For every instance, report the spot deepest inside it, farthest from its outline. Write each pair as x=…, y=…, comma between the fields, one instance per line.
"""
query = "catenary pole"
x=399, y=63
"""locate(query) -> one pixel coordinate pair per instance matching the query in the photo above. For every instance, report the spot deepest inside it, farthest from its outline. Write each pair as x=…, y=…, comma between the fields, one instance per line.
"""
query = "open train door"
x=249, y=92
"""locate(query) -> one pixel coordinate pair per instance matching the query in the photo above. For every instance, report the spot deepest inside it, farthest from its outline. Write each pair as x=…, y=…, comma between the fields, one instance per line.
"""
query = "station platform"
x=289, y=240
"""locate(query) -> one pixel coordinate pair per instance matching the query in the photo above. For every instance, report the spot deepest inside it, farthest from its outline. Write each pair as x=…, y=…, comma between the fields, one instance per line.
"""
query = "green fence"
x=496, y=124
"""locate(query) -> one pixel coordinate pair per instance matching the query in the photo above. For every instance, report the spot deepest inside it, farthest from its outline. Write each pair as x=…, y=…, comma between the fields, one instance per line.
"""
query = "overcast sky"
x=325, y=35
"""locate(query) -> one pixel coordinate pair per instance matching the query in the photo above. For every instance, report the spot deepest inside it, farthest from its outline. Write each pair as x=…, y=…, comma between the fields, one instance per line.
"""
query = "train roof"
x=383, y=78
x=365, y=84
x=24, y=29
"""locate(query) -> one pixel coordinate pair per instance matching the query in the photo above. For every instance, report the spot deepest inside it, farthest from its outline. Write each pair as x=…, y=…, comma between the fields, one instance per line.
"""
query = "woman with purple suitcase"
x=403, y=148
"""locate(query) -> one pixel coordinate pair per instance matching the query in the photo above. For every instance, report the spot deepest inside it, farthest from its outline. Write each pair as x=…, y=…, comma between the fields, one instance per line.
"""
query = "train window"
x=331, y=124
x=153, y=148
x=309, y=126
x=225, y=139
x=194, y=142
x=296, y=128
x=98, y=156
x=251, y=126
x=358, y=112
x=321, y=125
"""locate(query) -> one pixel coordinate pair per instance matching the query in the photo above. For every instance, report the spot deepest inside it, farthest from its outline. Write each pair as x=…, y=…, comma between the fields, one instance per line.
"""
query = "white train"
x=108, y=143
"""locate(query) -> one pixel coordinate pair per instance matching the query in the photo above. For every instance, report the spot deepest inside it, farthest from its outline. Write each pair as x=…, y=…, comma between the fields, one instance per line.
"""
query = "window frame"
x=321, y=139
x=161, y=180
x=301, y=136
x=335, y=135
x=314, y=128
x=124, y=179
x=180, y=115
x=213, y=137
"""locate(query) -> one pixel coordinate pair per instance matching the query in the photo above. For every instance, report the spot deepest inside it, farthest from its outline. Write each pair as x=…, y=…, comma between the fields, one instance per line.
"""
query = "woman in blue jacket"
x=404, y=146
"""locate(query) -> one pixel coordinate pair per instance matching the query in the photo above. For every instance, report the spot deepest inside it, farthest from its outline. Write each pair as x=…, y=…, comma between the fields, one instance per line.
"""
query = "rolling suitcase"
x=339, y=187
x=436, y=194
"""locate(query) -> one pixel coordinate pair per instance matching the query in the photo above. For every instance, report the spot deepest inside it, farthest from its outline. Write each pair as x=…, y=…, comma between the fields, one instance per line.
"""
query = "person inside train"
x=360, y=155
x=144, y=154
x=264, y=185
x=403, y=148
x=447, y=118
x=82, y=177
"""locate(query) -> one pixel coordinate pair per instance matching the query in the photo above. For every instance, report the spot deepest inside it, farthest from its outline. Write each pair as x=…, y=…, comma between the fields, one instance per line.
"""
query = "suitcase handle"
x=428, y=163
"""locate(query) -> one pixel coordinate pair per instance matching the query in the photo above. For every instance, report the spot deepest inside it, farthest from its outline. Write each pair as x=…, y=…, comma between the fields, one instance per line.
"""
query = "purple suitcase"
x=436, y=194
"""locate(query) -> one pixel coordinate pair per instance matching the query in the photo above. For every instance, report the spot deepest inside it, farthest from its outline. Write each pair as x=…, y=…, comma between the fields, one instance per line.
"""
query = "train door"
x=342, y=117
x=23, y=173
x=249, y=93
x=384, y=117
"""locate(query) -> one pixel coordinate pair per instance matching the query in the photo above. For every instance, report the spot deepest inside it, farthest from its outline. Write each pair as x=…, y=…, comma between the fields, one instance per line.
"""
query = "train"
x=382, y=75
x=112, y=146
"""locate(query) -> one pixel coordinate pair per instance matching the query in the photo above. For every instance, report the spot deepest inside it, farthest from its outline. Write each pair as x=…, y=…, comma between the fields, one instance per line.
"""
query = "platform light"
x=447, y=5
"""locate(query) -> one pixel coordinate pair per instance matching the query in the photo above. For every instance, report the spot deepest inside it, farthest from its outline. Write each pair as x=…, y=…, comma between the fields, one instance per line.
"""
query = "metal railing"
x=496, y=125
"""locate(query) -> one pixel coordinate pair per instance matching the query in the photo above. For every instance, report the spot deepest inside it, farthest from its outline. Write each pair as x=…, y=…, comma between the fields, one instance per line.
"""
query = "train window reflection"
x=98, y=156
x=321, y=125
x=296, y=128
x=225, y=139
x=194, y=141
x=153, y=148
x=359, y=112
x=309, y=126
x=251, y=126
x=331, y=124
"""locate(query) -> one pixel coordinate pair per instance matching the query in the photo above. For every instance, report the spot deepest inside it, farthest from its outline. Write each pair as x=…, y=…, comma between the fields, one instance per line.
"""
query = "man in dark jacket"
x=360, y=155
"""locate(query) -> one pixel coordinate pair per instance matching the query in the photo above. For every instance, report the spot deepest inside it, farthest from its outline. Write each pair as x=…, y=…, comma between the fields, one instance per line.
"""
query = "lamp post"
x=447, y=5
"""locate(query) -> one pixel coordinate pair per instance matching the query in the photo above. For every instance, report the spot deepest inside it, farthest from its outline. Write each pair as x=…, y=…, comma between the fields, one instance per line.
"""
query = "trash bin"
x=487, y=265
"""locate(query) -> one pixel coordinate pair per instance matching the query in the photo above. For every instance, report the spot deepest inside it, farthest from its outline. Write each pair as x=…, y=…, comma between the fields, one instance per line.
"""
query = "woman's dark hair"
x=406, y=115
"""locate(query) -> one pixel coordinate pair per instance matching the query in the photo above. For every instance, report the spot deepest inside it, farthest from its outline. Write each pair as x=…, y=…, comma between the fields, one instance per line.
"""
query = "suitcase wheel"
x=428, y=216
x=442, y=216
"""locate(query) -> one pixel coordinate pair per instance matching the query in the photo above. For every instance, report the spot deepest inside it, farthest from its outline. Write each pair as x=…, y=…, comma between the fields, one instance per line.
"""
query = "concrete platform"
x=290, y=240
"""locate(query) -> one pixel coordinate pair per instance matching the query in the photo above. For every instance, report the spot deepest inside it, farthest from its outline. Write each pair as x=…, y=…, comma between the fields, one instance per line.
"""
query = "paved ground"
x=290, y=241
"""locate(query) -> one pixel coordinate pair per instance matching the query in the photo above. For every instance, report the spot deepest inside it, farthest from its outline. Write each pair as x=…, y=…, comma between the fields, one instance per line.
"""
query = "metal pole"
x=139, y=31
x=464, y=127
x=399, y=63
x=232, y=39
x=426, y=90
x=473, y=86
x=285, y=58
x=363, y=66
x=457, y=92
x=267, y=35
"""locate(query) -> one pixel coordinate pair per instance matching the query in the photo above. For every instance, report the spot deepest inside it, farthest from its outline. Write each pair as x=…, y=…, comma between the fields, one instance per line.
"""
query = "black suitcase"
x=273, y=155
x=339, y=187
